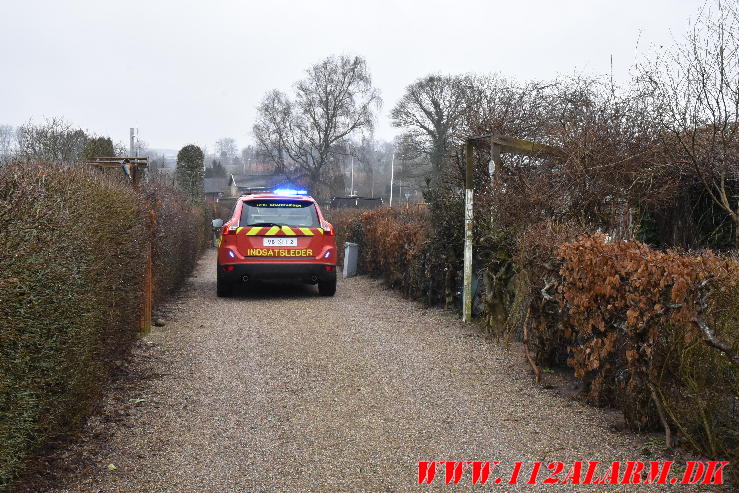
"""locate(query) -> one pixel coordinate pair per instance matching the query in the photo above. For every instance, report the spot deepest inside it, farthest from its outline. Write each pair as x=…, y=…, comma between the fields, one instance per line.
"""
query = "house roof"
x=255, y=181
x=214, y=185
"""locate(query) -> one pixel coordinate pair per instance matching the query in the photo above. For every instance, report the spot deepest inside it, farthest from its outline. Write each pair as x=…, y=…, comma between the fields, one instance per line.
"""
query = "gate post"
x=468, y=195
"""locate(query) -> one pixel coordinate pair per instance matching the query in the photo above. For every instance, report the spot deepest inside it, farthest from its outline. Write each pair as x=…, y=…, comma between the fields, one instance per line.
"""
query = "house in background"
x=240, y=185
x=214, y=188
x=225, y=190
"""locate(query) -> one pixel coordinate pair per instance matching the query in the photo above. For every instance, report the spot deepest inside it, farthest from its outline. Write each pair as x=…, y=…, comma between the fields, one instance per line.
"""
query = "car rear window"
x=279, y=212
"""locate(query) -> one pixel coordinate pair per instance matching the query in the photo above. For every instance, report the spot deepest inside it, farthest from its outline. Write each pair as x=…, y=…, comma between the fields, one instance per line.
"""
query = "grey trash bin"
x=351, y=251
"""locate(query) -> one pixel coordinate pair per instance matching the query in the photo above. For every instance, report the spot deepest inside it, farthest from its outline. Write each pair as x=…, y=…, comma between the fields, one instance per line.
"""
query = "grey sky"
x=187, y=71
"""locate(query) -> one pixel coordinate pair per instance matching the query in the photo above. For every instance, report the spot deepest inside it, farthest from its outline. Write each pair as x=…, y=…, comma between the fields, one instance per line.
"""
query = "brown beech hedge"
x=654, y=333
x=657, y=334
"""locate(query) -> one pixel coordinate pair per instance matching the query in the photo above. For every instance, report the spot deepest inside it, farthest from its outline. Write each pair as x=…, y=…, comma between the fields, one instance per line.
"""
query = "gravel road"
x=282, y=390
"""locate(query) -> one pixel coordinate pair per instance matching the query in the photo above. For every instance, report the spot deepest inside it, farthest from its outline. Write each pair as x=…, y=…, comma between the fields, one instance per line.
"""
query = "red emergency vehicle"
x=273, y=236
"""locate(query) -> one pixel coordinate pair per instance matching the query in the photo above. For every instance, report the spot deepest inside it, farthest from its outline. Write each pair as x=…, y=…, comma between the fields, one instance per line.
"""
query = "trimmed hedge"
x=397, y=245
x=181, y=233
x=622, y=315
x=638, y=327
x=73, y=244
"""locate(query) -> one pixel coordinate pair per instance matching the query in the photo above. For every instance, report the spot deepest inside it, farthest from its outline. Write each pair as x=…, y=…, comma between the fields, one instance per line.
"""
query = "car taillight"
x=230, y=230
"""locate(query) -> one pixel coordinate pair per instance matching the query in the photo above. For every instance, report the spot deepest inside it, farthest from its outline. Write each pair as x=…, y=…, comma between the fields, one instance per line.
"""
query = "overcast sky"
x=185, y=72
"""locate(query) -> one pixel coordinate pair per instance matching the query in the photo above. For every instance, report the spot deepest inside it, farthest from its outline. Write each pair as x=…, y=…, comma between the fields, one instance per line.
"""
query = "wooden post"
x=145, y=325
x=494, y=159
x=148, y=302
x=134, y=176
x=468, y=195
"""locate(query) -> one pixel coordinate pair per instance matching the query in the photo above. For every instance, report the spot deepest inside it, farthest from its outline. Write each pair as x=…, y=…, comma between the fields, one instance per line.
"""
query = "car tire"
x=223, y=288
x=327, y=288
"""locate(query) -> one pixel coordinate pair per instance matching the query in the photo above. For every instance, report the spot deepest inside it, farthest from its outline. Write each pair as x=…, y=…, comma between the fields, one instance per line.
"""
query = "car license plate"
x=280, y=242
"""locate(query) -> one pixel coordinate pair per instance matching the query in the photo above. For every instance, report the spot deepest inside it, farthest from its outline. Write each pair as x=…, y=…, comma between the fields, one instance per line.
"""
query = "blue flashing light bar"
x=289, y=191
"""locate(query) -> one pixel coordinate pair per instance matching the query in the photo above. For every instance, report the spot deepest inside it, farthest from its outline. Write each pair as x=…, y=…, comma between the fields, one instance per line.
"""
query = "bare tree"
x=226, y=150
x=694, y=91
x=305, y=135
x=121, y=148
x=430, y=112
x=141, y=148
x=8, y=143
x=54, y=140
x=371, y=159
x=605, y=165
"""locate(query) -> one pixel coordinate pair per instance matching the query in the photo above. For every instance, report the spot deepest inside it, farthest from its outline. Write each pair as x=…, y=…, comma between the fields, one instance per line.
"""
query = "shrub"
x=73, y=244
x=181, y=231
x=627, y=318
x=98, y=147
x=347, y=227
x=642, y=326
x=190, y=172
x=537, y=260
x=397, y=246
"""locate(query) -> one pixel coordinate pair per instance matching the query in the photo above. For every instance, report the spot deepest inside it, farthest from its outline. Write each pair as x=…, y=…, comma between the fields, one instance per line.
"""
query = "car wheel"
x=223, y=288
x=327, y=288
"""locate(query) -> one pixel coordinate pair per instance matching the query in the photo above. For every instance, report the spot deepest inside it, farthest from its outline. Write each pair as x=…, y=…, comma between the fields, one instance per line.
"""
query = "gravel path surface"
x=283, y=390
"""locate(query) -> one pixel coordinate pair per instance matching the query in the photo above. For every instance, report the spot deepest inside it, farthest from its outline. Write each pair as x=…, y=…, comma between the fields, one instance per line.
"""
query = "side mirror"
x=217, y=223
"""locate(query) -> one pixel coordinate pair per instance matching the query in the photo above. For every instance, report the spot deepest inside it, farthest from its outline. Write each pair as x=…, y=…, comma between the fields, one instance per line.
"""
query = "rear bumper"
x=292, y=271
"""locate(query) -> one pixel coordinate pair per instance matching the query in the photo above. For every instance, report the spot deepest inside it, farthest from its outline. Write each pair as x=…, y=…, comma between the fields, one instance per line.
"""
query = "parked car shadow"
x=261, y=290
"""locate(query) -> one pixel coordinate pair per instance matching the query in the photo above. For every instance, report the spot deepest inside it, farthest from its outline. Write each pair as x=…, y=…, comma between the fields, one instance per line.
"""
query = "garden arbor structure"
x=131, y=166
x=499, y=144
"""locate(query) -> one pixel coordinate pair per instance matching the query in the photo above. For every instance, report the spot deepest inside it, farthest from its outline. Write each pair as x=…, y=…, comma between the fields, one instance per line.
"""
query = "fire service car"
x=277, y=236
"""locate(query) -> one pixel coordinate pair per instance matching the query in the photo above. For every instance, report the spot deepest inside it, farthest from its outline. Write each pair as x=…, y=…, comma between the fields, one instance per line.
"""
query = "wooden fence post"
x=468, y=195
x=148, y=293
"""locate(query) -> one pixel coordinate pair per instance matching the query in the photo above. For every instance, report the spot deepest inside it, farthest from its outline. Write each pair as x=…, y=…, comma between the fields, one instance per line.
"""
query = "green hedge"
x=181, y=233
x=73, y=245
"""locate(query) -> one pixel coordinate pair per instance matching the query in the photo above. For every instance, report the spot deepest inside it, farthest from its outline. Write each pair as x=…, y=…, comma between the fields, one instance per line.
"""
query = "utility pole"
x=392, y=177
x=351, y=192
x=373, y=165
x=372, y=182
x=372, y=177
x=131, y=150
